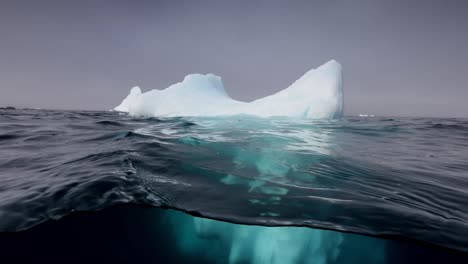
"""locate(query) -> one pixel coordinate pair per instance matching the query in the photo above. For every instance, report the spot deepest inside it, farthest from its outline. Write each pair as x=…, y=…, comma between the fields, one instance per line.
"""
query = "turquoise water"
x=224, y=242
x=276, y=187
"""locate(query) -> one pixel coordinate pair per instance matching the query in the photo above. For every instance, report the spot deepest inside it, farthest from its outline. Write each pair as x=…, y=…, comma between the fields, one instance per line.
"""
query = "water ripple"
x=393, y=177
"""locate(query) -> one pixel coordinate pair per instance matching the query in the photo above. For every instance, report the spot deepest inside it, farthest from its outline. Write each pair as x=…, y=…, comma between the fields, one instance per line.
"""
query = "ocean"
x=79, y=186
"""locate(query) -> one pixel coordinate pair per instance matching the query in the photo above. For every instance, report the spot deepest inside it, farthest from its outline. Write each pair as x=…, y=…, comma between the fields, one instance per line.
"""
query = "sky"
x=399, y=57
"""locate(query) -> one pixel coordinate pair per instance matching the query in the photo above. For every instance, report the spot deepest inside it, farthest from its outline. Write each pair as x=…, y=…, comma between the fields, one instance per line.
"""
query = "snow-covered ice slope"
x=317, y=94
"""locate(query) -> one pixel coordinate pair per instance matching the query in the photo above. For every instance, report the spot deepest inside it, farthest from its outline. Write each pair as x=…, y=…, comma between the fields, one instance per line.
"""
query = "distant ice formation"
x=317, y=94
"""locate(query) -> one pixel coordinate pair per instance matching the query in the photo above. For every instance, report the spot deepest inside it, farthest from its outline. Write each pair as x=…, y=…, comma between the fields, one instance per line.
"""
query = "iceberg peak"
x=317, y=94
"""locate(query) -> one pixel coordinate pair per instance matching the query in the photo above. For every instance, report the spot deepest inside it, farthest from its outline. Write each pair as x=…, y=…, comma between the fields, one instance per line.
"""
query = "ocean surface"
x=115, y=188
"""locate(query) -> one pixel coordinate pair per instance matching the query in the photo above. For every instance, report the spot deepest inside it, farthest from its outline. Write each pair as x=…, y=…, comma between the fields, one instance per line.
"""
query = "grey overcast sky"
x=400, y=57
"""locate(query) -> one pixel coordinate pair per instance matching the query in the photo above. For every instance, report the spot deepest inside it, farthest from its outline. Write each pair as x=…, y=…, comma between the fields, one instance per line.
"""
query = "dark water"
x=132, y=234
x=404, y=179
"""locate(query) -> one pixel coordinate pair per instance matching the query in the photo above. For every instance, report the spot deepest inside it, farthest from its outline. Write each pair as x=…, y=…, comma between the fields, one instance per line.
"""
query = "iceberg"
x=317, y=94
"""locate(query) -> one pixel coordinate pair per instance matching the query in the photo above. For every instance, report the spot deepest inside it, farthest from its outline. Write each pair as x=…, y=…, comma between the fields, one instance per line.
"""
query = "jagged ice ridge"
x=317, y=94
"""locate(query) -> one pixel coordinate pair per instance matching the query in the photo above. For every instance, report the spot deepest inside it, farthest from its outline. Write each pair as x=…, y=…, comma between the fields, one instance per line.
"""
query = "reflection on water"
x=399, y=178
x=267, y=162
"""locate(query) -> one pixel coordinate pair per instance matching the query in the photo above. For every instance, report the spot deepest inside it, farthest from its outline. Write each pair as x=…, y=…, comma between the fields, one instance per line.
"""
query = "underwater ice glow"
x=317, y=94
x=270, y=245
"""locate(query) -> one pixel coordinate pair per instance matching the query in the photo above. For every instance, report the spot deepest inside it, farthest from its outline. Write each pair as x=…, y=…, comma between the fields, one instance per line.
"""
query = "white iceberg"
x=317, y=94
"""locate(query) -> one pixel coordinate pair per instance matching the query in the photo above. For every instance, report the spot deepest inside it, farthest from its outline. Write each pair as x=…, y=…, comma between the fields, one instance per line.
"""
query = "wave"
x=376, y=176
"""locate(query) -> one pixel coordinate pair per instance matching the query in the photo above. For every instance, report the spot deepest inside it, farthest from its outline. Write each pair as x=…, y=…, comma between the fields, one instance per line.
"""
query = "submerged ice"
x=317, y=94
x=224, y=242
